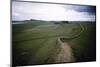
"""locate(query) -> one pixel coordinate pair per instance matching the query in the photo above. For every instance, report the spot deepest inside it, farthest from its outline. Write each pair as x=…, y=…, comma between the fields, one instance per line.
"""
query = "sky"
x=52, y=12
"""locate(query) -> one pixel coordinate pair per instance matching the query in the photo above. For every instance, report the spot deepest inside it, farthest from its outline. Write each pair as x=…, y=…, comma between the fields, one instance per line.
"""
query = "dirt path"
x=64, y=53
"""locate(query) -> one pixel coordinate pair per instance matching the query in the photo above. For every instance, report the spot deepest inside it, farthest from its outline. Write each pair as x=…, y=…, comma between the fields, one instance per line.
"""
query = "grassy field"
x=84, y=46
x=34, y=43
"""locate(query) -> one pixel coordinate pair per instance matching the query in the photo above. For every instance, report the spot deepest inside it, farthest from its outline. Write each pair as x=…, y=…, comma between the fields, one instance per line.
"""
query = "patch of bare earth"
x=63, y=53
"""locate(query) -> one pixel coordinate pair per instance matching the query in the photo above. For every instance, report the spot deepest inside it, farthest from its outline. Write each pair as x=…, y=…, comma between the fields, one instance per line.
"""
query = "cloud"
x=79, y=16
x=55, y=12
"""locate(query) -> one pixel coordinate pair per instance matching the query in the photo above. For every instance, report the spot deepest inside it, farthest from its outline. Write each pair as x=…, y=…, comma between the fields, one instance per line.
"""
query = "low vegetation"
x=36, y=42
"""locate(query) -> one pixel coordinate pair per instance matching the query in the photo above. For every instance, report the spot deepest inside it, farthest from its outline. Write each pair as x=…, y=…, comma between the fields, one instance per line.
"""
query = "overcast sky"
x=52, y=12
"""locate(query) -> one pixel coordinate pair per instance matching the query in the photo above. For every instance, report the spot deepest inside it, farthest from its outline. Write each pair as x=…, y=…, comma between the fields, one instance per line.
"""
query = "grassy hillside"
x=84, y=46
x=34, y=43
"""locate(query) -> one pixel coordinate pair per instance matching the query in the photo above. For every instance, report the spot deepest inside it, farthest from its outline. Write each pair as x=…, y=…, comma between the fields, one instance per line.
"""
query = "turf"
x=35, y=43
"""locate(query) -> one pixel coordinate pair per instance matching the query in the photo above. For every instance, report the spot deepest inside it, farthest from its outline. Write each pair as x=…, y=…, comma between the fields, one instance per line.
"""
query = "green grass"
x=87, y=44
x=35, y=43
x=84, y=46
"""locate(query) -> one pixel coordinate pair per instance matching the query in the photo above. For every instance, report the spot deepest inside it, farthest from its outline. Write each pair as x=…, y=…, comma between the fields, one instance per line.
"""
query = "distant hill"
x=29, y=21
x=35, y=21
